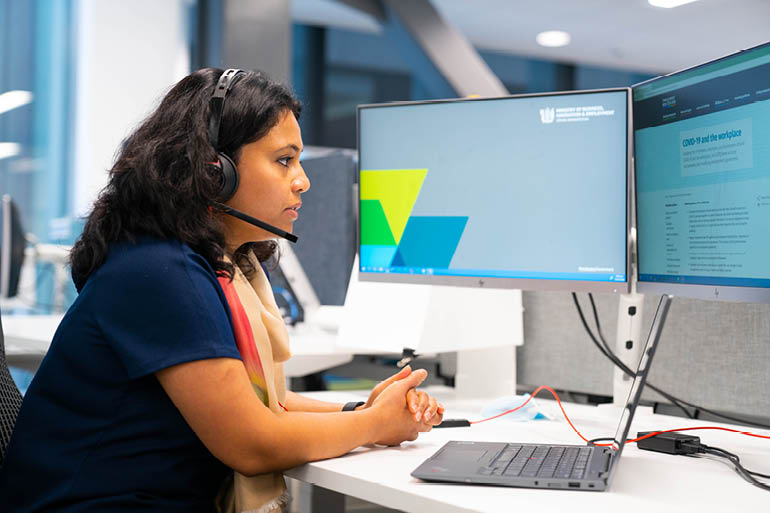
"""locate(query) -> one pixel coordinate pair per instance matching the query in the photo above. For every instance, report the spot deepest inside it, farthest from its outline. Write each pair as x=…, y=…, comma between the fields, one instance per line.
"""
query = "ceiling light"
x=668, y=4
x=12, y=99
x=9, y=149
x=553, y=38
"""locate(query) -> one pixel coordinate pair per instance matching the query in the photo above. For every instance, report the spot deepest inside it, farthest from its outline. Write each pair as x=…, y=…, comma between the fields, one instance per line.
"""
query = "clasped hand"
x=419, y=411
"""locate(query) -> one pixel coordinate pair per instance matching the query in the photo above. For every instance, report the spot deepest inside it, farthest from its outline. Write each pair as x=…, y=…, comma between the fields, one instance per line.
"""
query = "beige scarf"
x=263, y=342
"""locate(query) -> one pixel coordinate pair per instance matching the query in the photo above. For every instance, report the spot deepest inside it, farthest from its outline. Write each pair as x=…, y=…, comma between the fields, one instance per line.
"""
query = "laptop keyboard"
x=540, y=461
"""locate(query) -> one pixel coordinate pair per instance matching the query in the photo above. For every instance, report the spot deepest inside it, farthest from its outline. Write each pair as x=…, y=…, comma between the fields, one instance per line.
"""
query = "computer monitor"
x=702, y=147
x=12, y=245
x=526, y=191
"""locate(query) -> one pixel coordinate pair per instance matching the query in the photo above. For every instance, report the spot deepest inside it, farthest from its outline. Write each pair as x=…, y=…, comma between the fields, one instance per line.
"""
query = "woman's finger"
x=422, y=405
x=431, y=410
x=382, y=385
x=412, y=400
x=436, y=419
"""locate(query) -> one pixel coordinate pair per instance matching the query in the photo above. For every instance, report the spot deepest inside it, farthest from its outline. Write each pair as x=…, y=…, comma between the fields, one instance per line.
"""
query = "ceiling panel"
x=623, y=34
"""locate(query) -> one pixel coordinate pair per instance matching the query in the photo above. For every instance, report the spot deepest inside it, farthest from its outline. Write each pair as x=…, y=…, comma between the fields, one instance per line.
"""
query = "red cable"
x=648, y=435
x=537, y=390
x=655, y=433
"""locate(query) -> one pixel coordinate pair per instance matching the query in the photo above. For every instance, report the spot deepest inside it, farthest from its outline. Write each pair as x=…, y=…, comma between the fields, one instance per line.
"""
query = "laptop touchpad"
x=460, y=453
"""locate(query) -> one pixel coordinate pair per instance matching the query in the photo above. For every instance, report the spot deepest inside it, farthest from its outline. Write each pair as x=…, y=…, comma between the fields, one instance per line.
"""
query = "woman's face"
x=271, y=182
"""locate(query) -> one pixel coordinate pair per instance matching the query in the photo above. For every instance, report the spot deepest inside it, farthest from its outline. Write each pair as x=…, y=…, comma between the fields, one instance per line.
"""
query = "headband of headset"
x=226, y=165
x=217, y=103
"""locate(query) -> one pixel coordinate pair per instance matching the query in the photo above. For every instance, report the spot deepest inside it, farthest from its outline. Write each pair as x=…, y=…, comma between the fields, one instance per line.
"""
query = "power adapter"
x=669, y=443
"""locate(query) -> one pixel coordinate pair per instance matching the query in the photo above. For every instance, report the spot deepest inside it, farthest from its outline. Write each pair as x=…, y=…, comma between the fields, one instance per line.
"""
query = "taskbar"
x=486, y=273
x=705, y=280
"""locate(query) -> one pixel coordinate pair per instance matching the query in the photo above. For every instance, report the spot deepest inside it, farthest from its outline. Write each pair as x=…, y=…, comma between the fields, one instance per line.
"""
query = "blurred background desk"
x=27, y=338
x=29, y=335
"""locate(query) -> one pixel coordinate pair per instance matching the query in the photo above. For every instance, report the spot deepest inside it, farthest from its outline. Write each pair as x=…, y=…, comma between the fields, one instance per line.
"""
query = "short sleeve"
x=161, y=305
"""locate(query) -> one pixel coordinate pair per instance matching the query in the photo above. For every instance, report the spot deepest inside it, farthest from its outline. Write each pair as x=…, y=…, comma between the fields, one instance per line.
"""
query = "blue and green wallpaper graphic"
x=391, y=236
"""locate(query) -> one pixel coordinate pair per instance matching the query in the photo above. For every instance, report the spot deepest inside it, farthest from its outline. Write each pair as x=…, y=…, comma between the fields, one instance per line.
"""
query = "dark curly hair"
x=161, y=184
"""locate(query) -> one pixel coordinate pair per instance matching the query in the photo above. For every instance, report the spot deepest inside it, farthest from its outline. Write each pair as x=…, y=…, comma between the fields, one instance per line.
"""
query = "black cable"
x=628, y=371
x=596, y=440
x=614, y=359
x=734, y=457
x=687, y=445
x=680, y=403
x=598, y=325
x=740, y=469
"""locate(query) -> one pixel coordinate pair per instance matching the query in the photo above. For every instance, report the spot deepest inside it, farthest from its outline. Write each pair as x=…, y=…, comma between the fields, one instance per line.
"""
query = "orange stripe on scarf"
x=244, y=340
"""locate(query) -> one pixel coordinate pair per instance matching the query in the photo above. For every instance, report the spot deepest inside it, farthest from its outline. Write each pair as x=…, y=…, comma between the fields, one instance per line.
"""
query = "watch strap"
x=352, y=405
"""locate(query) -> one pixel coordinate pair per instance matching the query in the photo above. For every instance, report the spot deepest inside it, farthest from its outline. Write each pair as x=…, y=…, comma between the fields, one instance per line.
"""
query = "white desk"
x=313, y=348
x=29, y=335
x=644, y=481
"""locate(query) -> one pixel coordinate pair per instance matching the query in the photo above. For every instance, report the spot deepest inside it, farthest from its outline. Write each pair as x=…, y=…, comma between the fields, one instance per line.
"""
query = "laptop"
x=567, y=467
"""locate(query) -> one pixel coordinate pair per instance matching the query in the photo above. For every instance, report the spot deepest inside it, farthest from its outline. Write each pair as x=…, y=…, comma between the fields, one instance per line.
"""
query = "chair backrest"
x=10, y=400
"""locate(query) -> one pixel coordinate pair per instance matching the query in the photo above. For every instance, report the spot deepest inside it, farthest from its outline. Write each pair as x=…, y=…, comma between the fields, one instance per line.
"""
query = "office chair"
x=10, y=400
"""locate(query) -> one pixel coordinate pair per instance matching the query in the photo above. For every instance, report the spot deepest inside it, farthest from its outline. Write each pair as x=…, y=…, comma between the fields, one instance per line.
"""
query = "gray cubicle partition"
x=713, y=354
x=326, y=226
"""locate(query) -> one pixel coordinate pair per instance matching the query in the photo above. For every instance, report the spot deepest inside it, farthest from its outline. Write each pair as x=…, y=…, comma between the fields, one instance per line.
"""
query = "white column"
x=127, y=55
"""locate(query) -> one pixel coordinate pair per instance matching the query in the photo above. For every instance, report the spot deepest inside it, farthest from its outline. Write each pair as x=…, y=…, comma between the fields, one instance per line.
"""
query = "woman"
x=166, y=372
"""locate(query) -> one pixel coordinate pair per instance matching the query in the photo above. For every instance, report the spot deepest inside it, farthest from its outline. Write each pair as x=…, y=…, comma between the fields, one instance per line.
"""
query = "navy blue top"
x=96, y=431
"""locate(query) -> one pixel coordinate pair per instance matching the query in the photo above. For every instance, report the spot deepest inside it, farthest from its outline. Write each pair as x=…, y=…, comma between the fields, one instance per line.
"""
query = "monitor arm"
x=628, y=342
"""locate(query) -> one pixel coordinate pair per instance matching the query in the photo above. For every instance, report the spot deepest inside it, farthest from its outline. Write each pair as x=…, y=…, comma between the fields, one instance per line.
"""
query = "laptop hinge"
x=609, y=455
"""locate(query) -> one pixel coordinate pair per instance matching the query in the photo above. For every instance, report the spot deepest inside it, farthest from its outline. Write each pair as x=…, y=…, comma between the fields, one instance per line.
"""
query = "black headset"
x=225, y=164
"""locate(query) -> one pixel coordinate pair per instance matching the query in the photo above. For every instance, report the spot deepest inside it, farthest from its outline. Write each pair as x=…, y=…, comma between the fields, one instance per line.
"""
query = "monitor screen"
x=524, y=191
x=12, y=244
x=702, y=147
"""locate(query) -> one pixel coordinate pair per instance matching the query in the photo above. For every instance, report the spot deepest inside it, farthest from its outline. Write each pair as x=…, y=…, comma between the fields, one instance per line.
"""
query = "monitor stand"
x=486, y=373
x=482, y=325
x=628, y=343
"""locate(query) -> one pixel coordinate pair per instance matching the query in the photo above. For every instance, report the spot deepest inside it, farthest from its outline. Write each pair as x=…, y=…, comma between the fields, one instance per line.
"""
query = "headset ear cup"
x=230, y=177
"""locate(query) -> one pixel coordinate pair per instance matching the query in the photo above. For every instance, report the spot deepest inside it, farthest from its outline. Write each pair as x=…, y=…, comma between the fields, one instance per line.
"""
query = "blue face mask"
x=498, y=406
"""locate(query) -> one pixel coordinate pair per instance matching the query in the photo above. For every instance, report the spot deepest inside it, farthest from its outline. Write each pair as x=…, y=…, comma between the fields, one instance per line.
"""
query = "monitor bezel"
x=12, y=244
x=661, y=78
x=693, y=290
x=617, y=287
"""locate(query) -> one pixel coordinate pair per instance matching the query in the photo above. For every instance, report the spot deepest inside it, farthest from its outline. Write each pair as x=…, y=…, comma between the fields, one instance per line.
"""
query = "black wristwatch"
x=352, y=405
